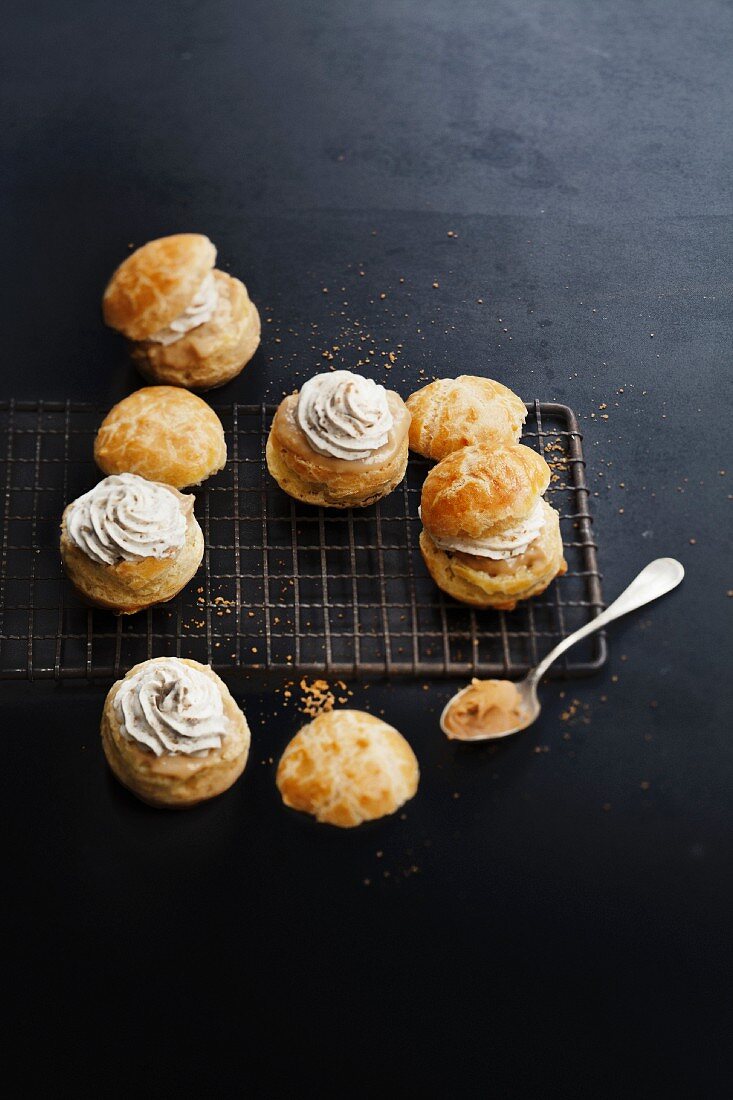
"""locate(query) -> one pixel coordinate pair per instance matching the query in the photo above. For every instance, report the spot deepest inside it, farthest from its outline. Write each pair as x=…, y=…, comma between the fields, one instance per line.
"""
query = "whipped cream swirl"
x=344, y=415
x=509, y=543
x=170, y=708
x=200, y=310
x=126, y=518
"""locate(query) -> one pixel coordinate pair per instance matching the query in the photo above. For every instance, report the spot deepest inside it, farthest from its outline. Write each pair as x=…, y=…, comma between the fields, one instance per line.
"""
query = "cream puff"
x=346, y=767
x=187, y=323
x=459, y=412
x=489, y=538
x=341, y=442
x=172, y=734
x=130, y=543
x=164, y=434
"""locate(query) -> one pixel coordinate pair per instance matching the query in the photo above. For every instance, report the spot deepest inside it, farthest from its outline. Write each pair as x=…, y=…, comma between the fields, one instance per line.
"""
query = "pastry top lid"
x=459, y=412
x=156, y=283
x=162, y=433
x=347, y=766
x=477, y=490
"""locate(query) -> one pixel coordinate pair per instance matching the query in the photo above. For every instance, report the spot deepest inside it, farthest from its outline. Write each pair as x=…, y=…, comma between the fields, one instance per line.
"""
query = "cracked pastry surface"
x=346, y=767
x=129, y=543
x=489, y=538
x=451, y=413
x=188, y=324
x=346, y=416
x=172, y=733
x=164, y=434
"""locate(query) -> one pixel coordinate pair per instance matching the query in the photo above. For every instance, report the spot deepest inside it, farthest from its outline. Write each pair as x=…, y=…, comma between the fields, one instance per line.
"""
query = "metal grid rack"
x=283, y=587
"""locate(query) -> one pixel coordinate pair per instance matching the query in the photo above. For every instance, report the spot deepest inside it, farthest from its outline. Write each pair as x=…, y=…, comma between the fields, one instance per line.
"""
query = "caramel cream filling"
x=289, y=435
x=486, y=707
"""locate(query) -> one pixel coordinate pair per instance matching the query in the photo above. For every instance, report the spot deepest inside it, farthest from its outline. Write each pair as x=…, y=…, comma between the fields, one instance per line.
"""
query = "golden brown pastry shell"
x=481, y=582
x=162, y=433
x=478, y=491
x=211, y=354
x=131, y=586
x=346, y=767
x=451, y=413
x=334, y=482
x=176, y=782
x=156, y=283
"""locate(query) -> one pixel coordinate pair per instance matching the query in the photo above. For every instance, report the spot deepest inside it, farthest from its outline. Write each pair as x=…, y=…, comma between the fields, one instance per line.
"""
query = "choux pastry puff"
x=489, y=538
x=340, y=443
x=459, y=412
x=163, y=434
x=187, y=323
x=130, y=543
x=346, y=767
x=172, y=733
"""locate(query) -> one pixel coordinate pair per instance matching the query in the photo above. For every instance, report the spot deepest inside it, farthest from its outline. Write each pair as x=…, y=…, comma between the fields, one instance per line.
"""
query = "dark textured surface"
x=553, y=912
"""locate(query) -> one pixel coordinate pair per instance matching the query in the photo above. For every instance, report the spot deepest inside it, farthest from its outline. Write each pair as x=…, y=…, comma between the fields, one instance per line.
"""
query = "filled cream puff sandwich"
x=341, y=442
x=459, y=412
x=346, y=767
x=164, y=434
x=489, y=538
x=172, y=733
x=188, y=324
x=130, y=543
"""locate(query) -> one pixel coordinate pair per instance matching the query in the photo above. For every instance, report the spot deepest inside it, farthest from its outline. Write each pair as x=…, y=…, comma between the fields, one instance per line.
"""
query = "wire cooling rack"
x=283, y=586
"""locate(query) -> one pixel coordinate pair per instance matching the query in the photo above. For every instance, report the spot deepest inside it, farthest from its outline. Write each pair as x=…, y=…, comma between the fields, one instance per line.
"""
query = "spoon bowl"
x=529, y=703
x=655, y=580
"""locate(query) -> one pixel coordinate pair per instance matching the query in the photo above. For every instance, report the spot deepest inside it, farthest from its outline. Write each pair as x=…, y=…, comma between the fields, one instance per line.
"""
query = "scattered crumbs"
x=318, y=696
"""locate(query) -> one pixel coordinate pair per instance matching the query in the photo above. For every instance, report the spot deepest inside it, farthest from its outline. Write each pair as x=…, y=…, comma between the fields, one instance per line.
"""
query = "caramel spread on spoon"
x=486, y=707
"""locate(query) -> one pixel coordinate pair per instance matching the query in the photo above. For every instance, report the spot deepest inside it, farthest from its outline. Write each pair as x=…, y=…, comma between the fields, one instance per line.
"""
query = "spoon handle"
x=655, y=580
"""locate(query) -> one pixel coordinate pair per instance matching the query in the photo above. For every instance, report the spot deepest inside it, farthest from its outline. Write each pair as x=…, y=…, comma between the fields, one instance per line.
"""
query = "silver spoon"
x=655, y=580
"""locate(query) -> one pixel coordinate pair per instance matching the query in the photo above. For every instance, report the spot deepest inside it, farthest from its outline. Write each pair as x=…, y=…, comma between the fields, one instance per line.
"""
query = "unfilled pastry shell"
x=479, y=490
x=336, y=483
x=466, y=577
x=346, y=767
x=176, y=782
x=211, y=354
x=162, y=433
x=131, y=586
x=156, y=283
x=451, y=413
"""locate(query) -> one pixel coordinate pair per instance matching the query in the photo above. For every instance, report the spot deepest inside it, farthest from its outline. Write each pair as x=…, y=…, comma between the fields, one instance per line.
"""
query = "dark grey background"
x=551, y=912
